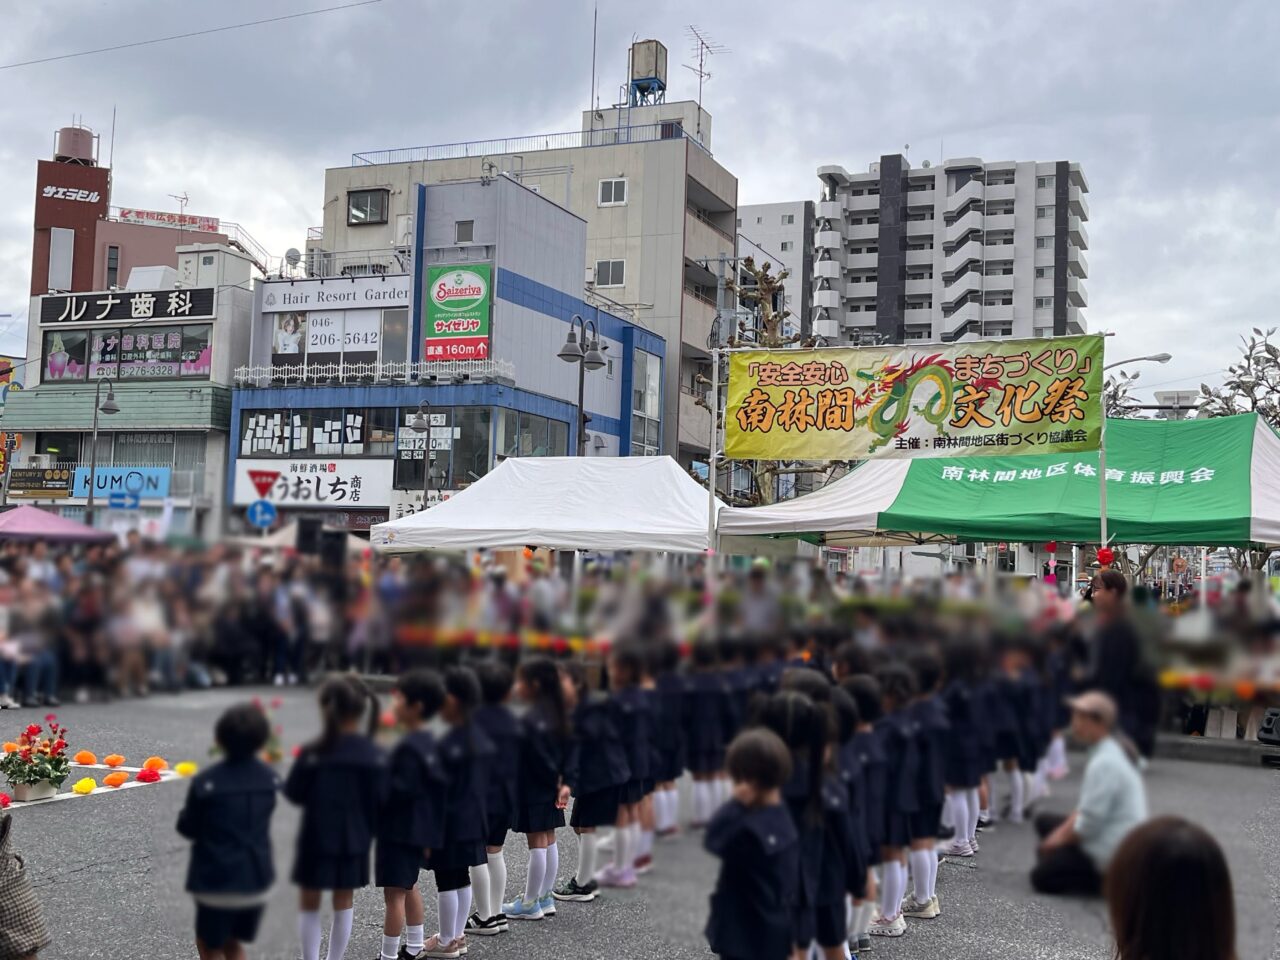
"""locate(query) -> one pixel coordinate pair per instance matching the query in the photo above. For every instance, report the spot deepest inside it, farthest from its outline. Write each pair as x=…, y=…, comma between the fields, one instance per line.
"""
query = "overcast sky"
x=1171, y=108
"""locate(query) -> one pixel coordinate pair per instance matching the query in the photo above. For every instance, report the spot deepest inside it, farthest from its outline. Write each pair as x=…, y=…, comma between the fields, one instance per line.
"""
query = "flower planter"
x=26, y=792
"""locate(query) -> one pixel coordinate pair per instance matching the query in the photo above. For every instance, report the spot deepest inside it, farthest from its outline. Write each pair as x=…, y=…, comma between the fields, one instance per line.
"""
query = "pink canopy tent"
x=31, y=523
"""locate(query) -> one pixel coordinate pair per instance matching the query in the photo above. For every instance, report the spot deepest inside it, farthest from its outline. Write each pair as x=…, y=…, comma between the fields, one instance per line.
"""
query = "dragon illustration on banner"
x=891, y=387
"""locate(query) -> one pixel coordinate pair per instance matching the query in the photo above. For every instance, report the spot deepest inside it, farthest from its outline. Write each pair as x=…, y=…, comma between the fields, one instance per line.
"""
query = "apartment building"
x=782, y=234
x=660, y=213
x=937, y=253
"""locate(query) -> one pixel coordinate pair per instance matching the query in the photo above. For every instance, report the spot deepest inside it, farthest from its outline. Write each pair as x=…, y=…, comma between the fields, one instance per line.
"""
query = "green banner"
x=456, y=307
x=984, y=398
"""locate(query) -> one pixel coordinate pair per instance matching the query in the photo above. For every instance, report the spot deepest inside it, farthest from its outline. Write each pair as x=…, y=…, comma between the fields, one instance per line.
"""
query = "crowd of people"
x=829, y=771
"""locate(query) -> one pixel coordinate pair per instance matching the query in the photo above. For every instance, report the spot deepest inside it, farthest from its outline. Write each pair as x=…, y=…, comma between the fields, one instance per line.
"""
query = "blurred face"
x=1104, y=600
x=569, y=690
x=1086, y=728
x=521, y=689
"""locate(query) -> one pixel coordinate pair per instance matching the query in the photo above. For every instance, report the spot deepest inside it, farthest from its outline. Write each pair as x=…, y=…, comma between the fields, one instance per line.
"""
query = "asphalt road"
x=110, y=867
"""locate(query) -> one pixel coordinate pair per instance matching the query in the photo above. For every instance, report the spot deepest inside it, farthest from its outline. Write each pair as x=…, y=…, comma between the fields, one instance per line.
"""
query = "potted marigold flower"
x=40, y=765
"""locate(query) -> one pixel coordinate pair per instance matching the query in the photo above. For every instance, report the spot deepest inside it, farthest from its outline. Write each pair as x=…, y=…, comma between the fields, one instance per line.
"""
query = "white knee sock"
x=947, y=819
x=959, y=806
x=339, y=934
x=1016, y=798
x=623, y=851
x=1040, y=780
x=537, y=871
x=933, y=874
x=309, y=934
x=464, y=911
x=673, y=807
x=586, y=858
x=448, y=904
x=862, y=917
x=553, y=868
x=701, y=801
x=644, y=843
x=919, y=860
x=390, y=947
x=890, y=894
x=413, y=938
x=497, y=880
x=480, y=890
x=974, y=803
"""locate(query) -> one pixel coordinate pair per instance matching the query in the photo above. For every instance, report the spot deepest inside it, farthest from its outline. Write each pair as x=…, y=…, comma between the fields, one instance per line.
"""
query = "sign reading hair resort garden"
x=455, y=314
x=985, y=398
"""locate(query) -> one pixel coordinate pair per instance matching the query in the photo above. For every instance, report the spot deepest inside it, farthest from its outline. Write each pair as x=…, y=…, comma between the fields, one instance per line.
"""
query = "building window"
x=759, y=219
x=1044, y=273
x=1044, y=243
x=1043, y=303
x=610, y=273
x=739, y=221
x=613, y=193
x=113, y=267
x=395, y=335
x=1044, y=213
x=464, y=231
x=788, y=219
x=1044, y=183
x=367, y=206
x=646, y=404
x=787, y=245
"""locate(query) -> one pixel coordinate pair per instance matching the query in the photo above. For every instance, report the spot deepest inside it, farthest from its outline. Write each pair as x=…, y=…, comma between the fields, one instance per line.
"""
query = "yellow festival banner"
x=982, y=398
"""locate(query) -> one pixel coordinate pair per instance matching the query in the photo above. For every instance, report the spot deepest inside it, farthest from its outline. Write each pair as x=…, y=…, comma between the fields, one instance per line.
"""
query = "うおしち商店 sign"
x=984, y=398
x=455, y=321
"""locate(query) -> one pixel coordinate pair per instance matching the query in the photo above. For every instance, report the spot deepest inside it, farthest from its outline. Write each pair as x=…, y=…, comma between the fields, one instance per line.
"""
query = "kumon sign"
x=456, y=306
x=984, y=398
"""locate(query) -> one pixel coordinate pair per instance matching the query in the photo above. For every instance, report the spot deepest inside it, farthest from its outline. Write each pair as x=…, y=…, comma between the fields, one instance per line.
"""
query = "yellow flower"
x=85, y=786
x=186, y=768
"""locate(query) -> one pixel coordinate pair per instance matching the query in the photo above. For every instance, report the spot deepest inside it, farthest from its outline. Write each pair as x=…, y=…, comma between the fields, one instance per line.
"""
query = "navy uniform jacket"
x=963, y=763
x=902, y=763
x=759, y=861
x=669, y=738
x=875, y=771
x=632, y=716
x=543, y=751
x=930, y=725
x=853, y=774
x=228, y=818
x=499, y=725
x=596, y=760
x=414, y=811
x=707, y=715
x=770, y=676
x=811, y=832
x=467, y=754
x=842, y=861
x=741, y=683
x=340, y=791
x=1058, y=665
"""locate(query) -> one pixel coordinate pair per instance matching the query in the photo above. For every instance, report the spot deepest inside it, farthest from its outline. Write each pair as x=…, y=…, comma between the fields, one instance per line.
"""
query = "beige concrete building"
x=660, y=211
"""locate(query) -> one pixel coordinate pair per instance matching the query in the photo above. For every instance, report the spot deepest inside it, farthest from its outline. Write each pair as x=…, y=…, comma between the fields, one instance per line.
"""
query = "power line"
x=185, y=36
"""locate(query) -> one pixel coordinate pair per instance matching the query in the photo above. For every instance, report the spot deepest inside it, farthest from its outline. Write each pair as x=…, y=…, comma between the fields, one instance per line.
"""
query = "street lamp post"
x=1102, y=445
x=587, y=355
x=107, y=406
x=422, y=424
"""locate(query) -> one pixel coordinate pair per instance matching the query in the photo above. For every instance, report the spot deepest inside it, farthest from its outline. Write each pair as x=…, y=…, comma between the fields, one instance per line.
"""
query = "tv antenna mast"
x=702, y=48
x=182, y=199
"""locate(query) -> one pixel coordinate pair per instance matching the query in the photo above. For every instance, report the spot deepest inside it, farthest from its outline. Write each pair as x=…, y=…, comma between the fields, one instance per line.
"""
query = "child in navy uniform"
x=669, y=738
x=929, y=726
x=339, y=782
x=869, y=752
x=633, y=719
x=964, y=762
x=544, y=744
x=902, y=797
x=467, y=754
x=595, y=772
x=706, y=724
x=412, y=819
x=756, y=841
x=494, y=717
x=228, y=819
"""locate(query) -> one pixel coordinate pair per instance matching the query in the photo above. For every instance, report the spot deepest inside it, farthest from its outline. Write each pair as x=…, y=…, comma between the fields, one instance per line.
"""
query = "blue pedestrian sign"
x=123, y=500
x=261, y=513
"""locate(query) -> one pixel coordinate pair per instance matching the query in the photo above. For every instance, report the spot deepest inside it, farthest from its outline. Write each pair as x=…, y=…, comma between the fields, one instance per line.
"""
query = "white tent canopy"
x=285, y=539
x=564, y=503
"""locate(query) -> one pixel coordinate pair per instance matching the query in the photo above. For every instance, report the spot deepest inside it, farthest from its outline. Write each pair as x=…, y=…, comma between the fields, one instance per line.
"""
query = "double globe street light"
x=107, y=406
x=587, y=355
x=422, y=424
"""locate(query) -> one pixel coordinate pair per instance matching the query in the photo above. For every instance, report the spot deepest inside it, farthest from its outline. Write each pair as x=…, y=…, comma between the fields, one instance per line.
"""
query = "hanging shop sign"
x=984, y=398
x=40, y=483
x=456, y=308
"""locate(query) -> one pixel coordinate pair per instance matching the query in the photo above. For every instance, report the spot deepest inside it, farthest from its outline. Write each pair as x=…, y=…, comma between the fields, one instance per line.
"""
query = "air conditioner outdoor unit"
x=591, y=276
x=41, y=461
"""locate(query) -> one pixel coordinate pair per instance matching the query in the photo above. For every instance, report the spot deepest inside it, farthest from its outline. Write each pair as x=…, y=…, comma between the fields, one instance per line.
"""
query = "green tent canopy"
x=1210, y=482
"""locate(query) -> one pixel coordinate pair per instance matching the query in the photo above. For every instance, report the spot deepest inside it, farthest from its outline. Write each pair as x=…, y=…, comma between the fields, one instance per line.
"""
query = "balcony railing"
x=603, y=137
x=348, y=263
x=380, y=374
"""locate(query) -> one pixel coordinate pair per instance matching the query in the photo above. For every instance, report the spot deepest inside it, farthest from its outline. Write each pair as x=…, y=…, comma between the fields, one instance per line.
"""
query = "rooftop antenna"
x=182, y=209
x=702, y=49
x=592, y=100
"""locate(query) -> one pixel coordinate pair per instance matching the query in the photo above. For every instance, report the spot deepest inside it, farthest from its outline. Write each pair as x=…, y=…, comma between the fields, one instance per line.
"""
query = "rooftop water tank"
x=76, y=145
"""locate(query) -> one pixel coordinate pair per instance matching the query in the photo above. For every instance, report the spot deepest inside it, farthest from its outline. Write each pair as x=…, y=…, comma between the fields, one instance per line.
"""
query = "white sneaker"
x=920, y=911
x=884, y=927
x=279, y=680
x=973, y=845
x=8, y=703
x=957, y=848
